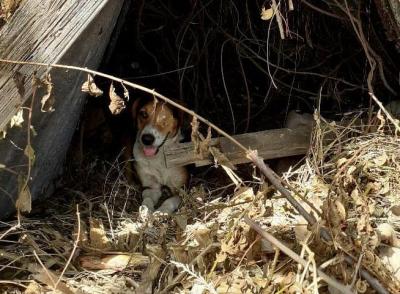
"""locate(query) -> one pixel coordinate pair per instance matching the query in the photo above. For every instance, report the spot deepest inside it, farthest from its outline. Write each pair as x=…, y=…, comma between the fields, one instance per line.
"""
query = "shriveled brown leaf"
x=91, y=88
x=361, y=286
x=267, y=14
x=157, y=255
x=19, y=80
x=48, y=99
x=386, y=233
x=24, y=200
x=220, y=158
x=381, y=120
x=201, y=144
x=3, y=133
x=98, y=236
x=341, y=161
x=9, y=6
x=380, y=160
x=395, y=210
x=126, y=92
x=179, y=253
x=17, y=119
x=49, y=278
x=29, y=152
x=33, y=288
x=117, y=104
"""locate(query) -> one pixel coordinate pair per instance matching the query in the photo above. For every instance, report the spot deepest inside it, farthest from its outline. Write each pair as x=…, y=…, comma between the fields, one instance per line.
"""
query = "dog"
x=158, y=125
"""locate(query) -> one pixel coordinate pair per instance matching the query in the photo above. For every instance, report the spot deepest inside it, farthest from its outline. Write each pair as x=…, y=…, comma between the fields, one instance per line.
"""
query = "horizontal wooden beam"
x=270, y=144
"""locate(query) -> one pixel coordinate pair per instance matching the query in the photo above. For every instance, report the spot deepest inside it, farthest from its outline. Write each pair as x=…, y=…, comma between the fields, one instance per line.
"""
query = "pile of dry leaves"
x=92, y=241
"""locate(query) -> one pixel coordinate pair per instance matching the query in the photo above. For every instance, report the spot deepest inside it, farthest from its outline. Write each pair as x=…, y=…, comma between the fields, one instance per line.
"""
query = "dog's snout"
x=148, y=139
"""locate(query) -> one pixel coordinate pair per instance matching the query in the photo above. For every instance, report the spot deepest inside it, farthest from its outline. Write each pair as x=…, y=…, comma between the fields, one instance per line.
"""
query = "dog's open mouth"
x=150, y=151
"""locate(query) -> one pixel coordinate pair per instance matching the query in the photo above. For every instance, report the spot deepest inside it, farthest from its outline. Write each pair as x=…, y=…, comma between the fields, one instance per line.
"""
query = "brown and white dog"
x=158, y=125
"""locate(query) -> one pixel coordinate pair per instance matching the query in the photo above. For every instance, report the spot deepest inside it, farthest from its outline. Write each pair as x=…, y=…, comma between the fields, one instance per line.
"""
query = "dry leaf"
x=36, y=82
x=9, y=6
x=386, y=233
x=179, y=253
x=336, y=212
x=117, y=104
x=24, y=200
x=34, y=133
x=341, y=161
x=220, y=158
x=19, y=80
x=395, y=210
x=267, y=14
x=3, y=133
x=33, y=288
x=355, y=195
x=49, y=278
x=156, y=254
x=126, y=92
x=98, y=237
x=47, y=100
x=17, y=119
x=195, y=130
x=201, y=144
x=380, y=160
x=181, y=220
x=361, y=286
x=30, y=153
x=114, y=262
x=91, y=88
x=381, y=119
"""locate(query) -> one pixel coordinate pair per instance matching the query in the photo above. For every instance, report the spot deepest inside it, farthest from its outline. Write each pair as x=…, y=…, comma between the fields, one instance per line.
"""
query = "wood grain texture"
x=269, y=144
x=389, y=11
x=72, y=32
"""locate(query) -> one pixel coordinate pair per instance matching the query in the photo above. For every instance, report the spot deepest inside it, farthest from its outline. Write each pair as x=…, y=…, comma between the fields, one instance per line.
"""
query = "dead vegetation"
x=91, y=238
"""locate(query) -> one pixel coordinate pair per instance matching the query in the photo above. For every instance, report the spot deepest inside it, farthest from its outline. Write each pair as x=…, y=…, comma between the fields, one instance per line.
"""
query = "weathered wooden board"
x=72, y=32
x=269, y=144
x=389, y=11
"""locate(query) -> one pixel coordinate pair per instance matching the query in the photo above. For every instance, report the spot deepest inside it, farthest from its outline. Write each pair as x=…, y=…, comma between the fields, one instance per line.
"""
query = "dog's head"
x=156, y=122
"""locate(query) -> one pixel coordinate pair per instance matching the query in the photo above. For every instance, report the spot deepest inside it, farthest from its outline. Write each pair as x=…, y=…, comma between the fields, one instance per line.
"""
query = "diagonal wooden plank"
x=40, y=30
x=73, y=32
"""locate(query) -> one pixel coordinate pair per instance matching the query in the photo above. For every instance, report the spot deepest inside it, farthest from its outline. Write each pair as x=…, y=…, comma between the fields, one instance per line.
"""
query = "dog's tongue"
x=149, y=151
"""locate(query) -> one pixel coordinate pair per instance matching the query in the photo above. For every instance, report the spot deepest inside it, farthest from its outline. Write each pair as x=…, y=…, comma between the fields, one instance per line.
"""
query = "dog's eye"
x=143, y=114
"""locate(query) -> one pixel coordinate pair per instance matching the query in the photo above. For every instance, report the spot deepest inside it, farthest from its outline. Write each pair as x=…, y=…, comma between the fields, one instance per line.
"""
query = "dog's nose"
x=148, y=139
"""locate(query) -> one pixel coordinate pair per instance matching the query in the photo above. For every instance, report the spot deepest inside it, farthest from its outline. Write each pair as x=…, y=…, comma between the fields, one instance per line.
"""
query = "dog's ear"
x=136, y=107
x=183, y=126
x=180, y=115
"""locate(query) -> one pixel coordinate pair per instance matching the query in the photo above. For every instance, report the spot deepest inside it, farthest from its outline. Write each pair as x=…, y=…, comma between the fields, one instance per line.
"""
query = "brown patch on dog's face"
x=159, y=115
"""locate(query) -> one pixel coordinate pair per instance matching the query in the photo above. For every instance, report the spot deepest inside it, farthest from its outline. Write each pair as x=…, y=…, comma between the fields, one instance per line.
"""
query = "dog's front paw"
x=148, y=203
x=150, y=198
x=170, y=205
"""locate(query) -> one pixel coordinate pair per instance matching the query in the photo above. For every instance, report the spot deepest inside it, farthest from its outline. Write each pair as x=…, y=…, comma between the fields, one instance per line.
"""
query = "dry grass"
x=206, y=247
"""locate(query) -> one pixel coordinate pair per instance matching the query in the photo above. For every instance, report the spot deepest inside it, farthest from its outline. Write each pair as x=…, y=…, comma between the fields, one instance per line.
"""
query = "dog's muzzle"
x=148, y=140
